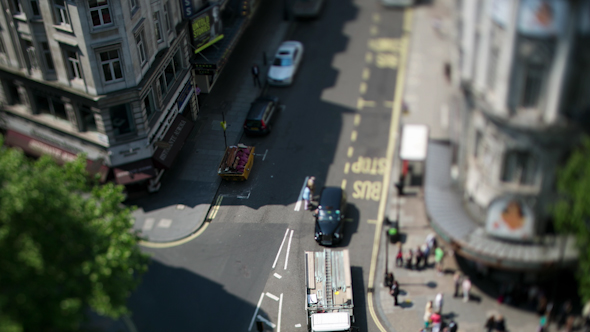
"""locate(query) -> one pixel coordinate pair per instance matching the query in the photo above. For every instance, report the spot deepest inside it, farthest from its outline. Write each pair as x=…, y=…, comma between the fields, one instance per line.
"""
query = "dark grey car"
x=329, y=224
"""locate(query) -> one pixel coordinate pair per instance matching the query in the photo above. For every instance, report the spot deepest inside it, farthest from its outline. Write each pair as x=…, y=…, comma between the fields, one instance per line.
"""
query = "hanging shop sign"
x=189, y=8
x=542, y=18
x=184, y=96
x=510, y=218
x=206, y=28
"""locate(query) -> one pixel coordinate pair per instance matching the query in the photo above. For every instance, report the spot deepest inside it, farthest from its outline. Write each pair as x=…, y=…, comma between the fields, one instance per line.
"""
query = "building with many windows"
x=523, y=74
x=108, y=78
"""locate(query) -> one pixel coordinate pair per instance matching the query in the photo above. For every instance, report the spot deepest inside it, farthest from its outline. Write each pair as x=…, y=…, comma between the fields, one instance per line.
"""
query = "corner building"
x=522, y=78
x=107, y=78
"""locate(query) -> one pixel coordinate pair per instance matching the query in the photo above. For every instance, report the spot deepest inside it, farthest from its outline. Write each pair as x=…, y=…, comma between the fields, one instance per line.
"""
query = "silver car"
x=285, y=63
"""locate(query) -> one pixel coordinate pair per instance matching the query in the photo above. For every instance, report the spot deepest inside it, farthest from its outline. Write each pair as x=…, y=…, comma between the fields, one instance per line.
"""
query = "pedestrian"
x=457, y=280
x=490, y=324
x=389, y=279
x=306, y=197
x=438, y=303
x=439, y=254
x=453, y=326
x=436, y=321
x=426, y=251
x=255, y=74
x=419, y=256
x=409, y=259
x=427, y=314
x=394, y=292
x=466, y=289
x=399, y=259
x=500, y=325
x=431, y=241
x=311, y=186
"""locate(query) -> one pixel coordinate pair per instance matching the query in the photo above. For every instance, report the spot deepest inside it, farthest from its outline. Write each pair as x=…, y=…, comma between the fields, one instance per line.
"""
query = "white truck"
x=328, y=281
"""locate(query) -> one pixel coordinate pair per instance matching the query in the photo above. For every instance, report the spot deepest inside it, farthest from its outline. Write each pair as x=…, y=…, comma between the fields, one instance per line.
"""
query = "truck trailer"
x=328, y=281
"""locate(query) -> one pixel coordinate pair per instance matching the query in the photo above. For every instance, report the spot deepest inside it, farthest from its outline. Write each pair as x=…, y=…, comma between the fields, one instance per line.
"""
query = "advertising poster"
x=206, y=28
x=542, y=18
x=510, y=218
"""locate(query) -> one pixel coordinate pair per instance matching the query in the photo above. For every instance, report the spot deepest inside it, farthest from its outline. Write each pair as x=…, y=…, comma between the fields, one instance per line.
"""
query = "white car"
x=285, y=63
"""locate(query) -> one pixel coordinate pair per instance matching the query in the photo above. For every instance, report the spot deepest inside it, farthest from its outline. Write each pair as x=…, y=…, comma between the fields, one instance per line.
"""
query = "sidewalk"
x=189, y=188
x=427, y=94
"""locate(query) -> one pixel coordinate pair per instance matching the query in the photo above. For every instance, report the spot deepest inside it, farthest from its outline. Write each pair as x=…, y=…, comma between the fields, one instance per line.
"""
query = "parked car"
x=329, y=224
x=285, y=63
x=304, y=9
x=261, y=115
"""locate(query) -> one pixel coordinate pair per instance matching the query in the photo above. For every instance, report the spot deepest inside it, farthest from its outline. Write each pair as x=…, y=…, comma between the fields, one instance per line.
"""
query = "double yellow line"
x=395, y=116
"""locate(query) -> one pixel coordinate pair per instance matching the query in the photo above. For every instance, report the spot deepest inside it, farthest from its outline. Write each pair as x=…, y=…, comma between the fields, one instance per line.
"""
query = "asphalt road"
x=335, y=126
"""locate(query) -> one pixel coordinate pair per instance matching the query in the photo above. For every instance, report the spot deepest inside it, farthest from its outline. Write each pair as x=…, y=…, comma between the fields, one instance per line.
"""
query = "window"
x=32, y=55
x=51, y=106
x=13, y=94
x=478, y=143
x=121, y=119
x=47, y=56
x=520, y=167
x=35, y=8
x=157, y=27
x=168, y=77
x=150, y=106
x=99, y=12
x=141, y=48
x=88, y=121
x=532, y=81
x=17, y=8
x=111, y=66
x=61, y=12
x=74, y=65
x=133, y=4
x=167, y=16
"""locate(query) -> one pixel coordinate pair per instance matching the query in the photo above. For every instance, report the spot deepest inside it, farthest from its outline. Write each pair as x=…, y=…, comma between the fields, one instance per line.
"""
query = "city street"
x=337, y=121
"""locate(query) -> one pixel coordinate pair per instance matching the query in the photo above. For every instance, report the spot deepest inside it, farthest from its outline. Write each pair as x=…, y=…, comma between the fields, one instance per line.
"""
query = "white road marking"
x=165, y=223
x=280, y=309
x=288, y=248
x=148, y=224
x=297, y=325
x=280, y=248
x=278, y=276
x=265, y=152
x=256, y=311
x=298, y=205
x=272, y=296
x=266, y=321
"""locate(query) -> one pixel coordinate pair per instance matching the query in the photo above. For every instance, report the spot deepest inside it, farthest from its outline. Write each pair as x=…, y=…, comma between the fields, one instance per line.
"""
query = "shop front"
x=37, y=147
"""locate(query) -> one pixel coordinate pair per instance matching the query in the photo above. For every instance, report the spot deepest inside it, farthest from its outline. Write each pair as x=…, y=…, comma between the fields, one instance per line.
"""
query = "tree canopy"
x=572, y=211
x=65, y=245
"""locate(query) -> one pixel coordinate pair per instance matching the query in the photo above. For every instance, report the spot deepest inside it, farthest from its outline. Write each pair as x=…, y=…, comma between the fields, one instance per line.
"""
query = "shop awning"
x=173, y=141
x=134, y=172
x=37, y=148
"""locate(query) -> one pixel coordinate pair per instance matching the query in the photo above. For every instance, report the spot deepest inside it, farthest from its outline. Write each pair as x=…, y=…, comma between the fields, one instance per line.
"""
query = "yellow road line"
x=369, y=57
x=371, y=221
x=376, y=18
x=396, y=111
x=357, y=119
x=363, y=88
x=366, y=73
x=353, y=135
x=346, y=167
x=343, y=184
x=350, y=151
x=215, y=209
x=175, y=243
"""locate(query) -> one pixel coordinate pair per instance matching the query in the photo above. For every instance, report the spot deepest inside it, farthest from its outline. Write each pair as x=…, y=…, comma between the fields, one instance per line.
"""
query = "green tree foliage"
x=65, y=245
x=572, y=211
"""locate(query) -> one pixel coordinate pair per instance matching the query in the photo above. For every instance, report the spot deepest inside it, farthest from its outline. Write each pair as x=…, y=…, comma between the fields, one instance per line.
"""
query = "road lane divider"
x=288, y=249
x=346, y=167
x=256, y=312
x=350, y=151
x=343, y=184
x=280, y=248
x=278, y=276
x=272, y=296
x=357, y=119
x=280, y=311
x=353, y=135
x=159, y=245
x=363, y=88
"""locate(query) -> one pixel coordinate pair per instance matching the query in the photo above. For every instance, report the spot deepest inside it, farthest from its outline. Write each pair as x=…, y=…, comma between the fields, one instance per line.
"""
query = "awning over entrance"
x=37, y=148
x=173, y=141
x=134, y=172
